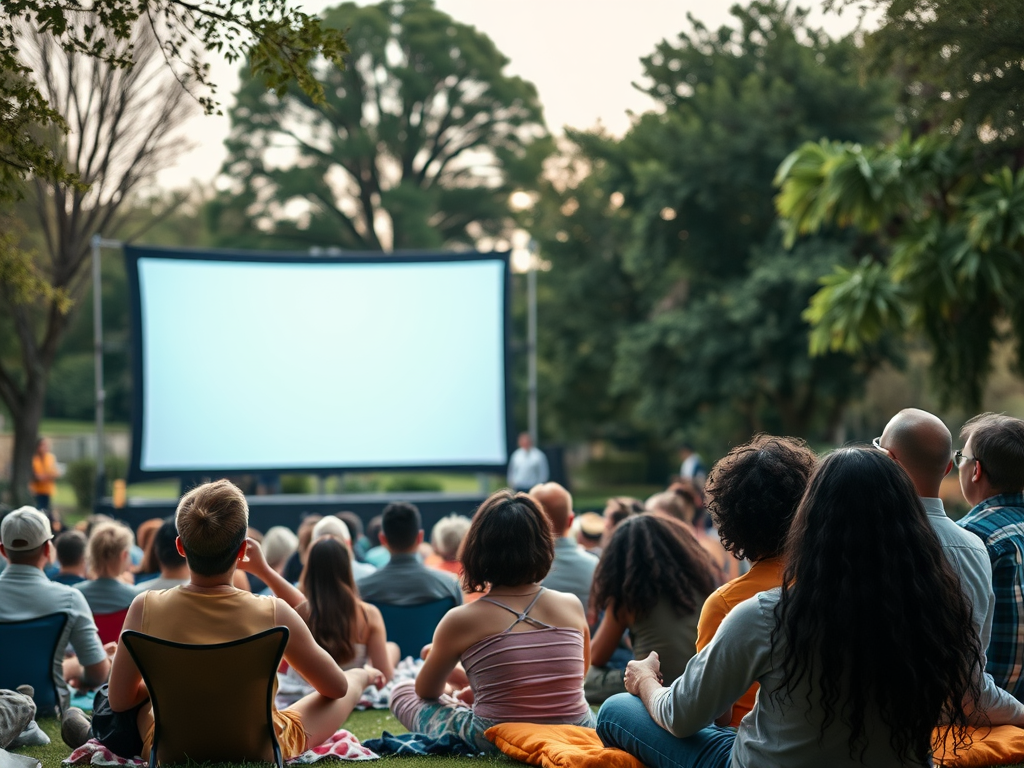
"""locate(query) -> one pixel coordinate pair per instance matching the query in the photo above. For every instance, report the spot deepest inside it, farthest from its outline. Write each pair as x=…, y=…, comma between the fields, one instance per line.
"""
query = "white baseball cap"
x=23, y=529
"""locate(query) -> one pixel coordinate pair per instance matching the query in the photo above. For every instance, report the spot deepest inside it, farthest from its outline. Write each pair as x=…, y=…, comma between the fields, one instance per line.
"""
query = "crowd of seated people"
x=793, y=611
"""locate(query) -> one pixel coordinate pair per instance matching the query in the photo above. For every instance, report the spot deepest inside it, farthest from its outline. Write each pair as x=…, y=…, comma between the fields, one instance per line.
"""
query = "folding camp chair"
x=29, y=648
x=109, y=625
x=211, y=703
x=412, y=626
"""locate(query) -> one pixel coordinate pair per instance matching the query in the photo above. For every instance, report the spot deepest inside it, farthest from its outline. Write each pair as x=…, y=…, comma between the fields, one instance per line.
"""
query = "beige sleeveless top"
x=189, y=617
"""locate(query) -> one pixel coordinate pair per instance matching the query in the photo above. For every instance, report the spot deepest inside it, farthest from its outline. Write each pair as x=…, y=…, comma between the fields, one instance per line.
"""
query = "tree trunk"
x=26, y=416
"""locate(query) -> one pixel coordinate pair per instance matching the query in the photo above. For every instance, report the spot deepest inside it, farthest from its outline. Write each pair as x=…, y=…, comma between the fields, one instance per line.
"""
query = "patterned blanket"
x=341, y=746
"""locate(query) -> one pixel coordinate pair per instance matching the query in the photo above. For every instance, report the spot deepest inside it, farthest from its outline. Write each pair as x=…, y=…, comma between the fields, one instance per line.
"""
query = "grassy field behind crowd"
x=364, y=725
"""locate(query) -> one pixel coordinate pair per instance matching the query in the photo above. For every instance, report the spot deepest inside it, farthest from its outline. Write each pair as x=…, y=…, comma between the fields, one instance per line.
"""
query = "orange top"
x=45, y=465
x=762, y=576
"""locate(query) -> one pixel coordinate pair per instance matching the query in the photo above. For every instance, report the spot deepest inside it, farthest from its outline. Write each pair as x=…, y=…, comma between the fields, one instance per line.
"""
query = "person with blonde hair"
x=108, y=553
x=212, y=522
x=279, y=543
x=445, y=538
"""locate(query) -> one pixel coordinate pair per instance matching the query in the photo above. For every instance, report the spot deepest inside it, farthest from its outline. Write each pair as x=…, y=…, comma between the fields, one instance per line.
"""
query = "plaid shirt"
x=999, y=523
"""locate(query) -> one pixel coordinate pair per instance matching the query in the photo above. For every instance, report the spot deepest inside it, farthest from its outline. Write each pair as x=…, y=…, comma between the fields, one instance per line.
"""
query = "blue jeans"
x=624, y=722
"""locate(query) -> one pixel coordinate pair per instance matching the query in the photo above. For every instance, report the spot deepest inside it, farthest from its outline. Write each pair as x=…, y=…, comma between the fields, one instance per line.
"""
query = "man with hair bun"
x=212, y=522
x=991, y=467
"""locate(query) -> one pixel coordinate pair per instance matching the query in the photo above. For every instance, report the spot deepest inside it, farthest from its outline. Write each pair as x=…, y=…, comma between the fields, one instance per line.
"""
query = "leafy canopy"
x=939, y=211
x=715, y=333
x=417, y=143
x=282, y=45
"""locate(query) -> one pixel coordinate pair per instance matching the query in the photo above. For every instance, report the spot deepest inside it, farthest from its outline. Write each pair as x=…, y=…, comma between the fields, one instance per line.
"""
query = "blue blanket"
x=420, y=744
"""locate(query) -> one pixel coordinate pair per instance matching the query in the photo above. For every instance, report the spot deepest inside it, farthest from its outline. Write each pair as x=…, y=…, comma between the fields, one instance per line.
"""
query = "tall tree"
x=418, y=142
x=282, y=44
x=715, y=335
x=125, y=121
x=939, y=212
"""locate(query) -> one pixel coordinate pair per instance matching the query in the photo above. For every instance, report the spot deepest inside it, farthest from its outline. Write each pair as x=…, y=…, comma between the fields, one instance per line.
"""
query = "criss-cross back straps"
x=523, y=615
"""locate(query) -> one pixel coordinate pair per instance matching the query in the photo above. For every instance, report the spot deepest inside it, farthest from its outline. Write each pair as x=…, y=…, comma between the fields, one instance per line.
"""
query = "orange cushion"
x=558, y=746
x=1001, y=745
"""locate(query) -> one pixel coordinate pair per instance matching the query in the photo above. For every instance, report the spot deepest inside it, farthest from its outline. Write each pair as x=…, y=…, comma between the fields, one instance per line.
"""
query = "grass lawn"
x=365, y=725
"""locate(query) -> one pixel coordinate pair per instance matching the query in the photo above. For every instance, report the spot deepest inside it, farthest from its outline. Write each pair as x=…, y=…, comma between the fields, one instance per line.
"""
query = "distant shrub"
x=413, y=483
x=296, y=484
x=360, y=484
x=81, y=476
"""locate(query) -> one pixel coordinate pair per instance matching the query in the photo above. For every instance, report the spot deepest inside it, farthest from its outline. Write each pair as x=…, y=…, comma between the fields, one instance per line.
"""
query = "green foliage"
x=585, y=301
x=81, y=476
x=417, y=143
x=940, y=210
x=296, y=484
x=854, y=306
x=402, y=483
x=689, y=320
x=944, y=249
x=961, y=63
x=282, y=43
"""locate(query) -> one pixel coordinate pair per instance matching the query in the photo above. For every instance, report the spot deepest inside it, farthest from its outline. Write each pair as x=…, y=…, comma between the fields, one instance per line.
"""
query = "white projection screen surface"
x=288, y=363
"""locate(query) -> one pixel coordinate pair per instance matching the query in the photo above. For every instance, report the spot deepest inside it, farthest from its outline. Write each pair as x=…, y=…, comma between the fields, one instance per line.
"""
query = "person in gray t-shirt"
x=108, y=553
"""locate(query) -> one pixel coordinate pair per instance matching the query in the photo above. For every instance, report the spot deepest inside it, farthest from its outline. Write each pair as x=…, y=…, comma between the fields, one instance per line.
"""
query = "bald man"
x=920, y=443
x=573, y=568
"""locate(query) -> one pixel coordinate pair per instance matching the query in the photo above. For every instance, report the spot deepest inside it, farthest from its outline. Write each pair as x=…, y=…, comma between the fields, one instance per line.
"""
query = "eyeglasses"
x=959, y=458
x=877, y=443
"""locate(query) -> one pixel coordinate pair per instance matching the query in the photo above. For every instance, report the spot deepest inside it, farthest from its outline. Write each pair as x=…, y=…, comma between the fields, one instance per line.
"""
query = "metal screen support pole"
x=531, y=341
x=97, y=326
x=98, y=243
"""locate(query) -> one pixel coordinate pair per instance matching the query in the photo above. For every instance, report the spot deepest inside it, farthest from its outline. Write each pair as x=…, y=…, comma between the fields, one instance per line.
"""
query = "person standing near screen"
x=44, y=477
x=528, y=465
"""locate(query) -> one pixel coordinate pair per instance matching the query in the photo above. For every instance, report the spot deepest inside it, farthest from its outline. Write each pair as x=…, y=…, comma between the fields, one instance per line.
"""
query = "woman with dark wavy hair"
x=652, y=579
x=525, y=649
x=866, y=648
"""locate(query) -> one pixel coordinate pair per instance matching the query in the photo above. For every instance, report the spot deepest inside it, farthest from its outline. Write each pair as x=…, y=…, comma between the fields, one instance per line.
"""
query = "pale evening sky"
x=582, y=55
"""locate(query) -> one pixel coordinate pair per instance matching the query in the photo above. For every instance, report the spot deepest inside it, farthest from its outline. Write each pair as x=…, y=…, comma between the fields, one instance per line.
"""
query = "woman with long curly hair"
x=524, y=648
x=652, y=579
x=865, y=649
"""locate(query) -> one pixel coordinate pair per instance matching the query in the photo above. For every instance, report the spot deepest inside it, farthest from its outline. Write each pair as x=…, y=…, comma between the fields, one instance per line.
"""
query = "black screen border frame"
x=132, y=255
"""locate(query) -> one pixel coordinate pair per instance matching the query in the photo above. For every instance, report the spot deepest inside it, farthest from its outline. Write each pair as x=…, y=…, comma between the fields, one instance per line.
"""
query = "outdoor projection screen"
x=275, y=362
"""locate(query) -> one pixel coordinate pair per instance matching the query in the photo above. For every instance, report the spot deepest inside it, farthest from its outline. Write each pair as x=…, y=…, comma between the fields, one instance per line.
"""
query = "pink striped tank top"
x=533, y=676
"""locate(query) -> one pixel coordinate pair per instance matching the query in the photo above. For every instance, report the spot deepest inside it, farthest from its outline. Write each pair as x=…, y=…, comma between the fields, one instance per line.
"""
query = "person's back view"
x=573, y=569
x=405, y=580
x=212, y=522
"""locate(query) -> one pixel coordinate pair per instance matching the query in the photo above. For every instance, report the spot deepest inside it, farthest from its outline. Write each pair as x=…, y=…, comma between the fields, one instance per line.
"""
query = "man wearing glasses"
x=991, y=467
x=921, y=444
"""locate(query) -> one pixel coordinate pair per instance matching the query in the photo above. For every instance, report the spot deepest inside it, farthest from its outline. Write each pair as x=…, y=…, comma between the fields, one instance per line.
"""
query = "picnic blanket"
x=291, y=687
x=420, y=744
x=341, y=746
x=571, y=746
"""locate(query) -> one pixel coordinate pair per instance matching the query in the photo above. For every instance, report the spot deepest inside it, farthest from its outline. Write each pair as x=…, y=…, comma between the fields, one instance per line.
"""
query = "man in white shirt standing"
x=528, y=465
